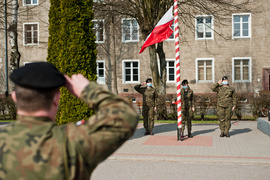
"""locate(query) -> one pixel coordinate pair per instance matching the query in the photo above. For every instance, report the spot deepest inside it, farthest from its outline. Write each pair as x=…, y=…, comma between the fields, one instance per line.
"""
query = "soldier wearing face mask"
x=187, y=106
x=150, y=96
x=226, y=104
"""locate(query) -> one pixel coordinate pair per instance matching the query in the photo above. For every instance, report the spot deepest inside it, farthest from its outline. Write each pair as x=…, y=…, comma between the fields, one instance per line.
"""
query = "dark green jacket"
x=187, y=99
x=33, y=147
x=226, y=95
x=150, y=95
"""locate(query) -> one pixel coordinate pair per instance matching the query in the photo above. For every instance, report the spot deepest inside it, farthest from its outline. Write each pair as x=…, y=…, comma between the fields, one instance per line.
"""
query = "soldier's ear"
x=13, y=96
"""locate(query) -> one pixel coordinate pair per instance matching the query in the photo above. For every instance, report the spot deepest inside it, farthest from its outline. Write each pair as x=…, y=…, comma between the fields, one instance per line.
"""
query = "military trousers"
x=187, y=116
x=148, y=117
x=224, y=116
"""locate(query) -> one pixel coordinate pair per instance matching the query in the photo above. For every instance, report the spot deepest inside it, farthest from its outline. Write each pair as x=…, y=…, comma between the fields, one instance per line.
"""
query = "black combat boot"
x=227, y=135
x=146, y=132
x=190, y=135
x=222, y=134
x=151, y=133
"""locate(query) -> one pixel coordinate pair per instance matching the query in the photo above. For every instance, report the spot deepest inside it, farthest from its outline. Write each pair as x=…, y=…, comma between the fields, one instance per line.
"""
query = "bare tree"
x=13, y=34
x=149, y=12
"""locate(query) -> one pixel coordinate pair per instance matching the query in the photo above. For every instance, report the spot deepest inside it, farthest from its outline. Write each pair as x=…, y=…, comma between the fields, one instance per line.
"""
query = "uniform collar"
x=33, y=119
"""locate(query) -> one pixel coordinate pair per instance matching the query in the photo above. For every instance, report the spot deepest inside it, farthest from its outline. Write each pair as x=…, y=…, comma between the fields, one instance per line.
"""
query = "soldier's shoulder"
x=232, y=88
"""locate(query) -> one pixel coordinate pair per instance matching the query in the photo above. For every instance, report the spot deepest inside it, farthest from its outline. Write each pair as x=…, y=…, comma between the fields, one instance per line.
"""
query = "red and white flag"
x=161, y=32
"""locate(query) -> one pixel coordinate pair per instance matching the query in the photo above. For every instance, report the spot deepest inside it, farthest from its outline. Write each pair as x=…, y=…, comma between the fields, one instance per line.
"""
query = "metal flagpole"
x=177, y=60
x=6, y=48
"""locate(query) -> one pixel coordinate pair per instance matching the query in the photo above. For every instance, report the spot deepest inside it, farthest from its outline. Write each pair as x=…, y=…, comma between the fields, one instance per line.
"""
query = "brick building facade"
x=241, y=53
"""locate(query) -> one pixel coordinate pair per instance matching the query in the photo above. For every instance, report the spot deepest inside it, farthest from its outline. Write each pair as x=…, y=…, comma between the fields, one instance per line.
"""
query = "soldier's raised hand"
x=76, y=84
x=143, y=83
x=220, y=82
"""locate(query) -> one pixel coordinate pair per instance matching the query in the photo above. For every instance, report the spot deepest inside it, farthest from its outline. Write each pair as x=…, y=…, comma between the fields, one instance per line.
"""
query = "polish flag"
x=161, y=32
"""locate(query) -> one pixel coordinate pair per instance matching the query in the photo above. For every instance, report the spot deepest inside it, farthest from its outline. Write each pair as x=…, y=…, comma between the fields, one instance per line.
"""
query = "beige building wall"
x=220, y=50
x=31, y=14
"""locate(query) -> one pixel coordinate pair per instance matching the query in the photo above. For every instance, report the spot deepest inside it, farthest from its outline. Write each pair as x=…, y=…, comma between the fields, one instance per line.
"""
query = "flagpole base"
x=179, y=134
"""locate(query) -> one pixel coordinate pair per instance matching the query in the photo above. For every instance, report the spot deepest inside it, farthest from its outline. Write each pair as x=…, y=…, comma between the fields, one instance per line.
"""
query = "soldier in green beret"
x=226, y=104
x=150, y=96
x=34, y=147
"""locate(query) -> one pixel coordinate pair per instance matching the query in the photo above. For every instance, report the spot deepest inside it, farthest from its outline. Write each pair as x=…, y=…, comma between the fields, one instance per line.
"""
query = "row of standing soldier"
x=226, y=105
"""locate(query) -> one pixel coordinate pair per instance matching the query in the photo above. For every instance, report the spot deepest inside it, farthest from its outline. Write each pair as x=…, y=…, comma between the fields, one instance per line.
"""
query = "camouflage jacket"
x=226, y=95
x=187, y=98
x=35, y=147
x=150, y=95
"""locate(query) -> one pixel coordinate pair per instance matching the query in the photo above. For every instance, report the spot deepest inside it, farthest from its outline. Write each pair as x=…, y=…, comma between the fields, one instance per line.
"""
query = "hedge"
x=72, y=49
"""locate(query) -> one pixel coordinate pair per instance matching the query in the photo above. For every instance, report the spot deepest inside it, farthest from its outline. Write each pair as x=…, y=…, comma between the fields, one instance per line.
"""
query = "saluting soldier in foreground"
x=150, y=96
x=34, y=147
x=226, y=104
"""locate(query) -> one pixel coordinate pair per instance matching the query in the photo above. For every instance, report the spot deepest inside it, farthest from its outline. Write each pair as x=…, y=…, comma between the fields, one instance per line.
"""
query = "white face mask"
x=224, y=82
x=149, y=84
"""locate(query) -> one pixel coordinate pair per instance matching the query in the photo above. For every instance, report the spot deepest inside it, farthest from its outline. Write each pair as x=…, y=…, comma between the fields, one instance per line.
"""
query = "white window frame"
x=212, y=28
x=123, y=34
x=124, y=75
x=24, y=3
x=97, y=32
x=213, y=70
x=101, y=80
x=250, y=69
x=167, y=70
x=171, y=39
x=31, y=44
x=26, y=63
x=241, y=29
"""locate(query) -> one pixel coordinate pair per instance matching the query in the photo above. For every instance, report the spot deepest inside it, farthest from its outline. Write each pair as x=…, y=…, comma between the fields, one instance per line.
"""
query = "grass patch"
x=7, y=121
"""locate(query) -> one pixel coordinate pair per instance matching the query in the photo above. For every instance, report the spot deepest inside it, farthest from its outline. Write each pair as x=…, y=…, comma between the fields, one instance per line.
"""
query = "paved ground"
x=246, y=145
x=245, y=155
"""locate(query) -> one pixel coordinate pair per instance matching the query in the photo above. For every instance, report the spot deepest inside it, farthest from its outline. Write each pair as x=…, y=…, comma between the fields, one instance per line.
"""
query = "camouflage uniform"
x=150, y=96
x=186, y=108
x=226, y=100
x=36, y=148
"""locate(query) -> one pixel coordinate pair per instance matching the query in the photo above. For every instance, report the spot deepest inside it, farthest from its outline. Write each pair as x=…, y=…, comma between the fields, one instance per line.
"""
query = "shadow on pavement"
x=163, y=128
x=159, y=128
x=240, y=131
x=196, y=133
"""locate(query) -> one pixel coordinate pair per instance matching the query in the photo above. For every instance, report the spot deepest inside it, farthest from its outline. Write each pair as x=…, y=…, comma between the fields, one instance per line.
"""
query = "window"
x=130, y=30
x=30, y=2
x=204, y=27
x=30, y=33
x=130, y=71
x=172, y=36
x=204, y=70
x=241, y=26
x=170, y=70
x=241, y=69
x=101, y=72
x=99, y=30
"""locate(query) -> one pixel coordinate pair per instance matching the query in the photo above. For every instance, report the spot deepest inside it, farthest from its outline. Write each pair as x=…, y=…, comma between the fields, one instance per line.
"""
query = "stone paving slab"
x=246, y=145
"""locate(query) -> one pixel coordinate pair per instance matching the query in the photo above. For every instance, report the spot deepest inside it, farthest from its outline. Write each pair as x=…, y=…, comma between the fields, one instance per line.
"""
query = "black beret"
x=184, y=82
x=224, y=78
x=38, y=75
x=148, y=80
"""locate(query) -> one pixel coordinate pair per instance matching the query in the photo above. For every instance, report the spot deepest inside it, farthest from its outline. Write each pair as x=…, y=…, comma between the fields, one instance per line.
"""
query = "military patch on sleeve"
x=78, y=123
